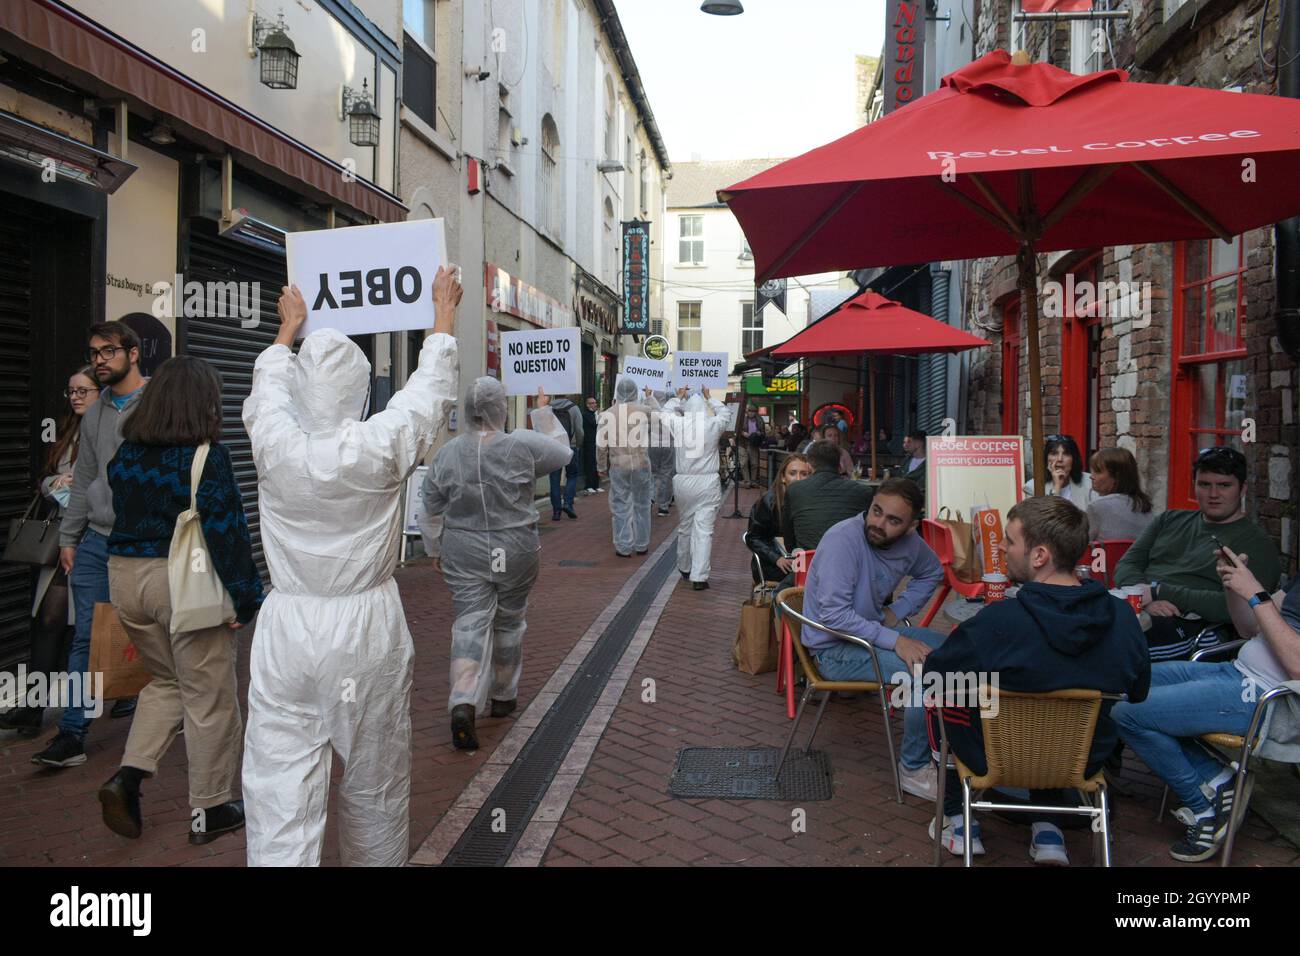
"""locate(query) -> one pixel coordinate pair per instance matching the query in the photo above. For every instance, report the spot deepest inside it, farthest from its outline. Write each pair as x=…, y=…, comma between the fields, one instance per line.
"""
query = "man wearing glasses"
x=114, y=356
x=1174, y=558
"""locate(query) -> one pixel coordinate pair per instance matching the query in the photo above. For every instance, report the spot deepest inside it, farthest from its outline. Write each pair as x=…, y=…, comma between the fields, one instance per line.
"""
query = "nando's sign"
x=904, y=70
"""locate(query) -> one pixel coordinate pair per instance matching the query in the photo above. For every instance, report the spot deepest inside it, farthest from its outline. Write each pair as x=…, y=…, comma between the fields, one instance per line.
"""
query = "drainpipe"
x=1286, y=253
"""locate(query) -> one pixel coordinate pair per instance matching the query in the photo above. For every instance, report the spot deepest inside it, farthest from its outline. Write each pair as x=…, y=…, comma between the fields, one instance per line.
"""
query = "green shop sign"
x=778, y=386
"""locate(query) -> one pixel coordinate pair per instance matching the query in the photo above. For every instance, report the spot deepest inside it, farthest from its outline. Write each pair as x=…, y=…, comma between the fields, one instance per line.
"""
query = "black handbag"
x=32, y=539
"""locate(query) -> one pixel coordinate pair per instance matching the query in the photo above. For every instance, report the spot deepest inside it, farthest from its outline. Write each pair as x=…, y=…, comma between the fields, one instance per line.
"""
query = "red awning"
x=64, y=38
x=870, y=324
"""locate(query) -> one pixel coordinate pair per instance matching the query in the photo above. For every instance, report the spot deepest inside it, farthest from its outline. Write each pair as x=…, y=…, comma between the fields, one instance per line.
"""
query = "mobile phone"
x=1219, y=544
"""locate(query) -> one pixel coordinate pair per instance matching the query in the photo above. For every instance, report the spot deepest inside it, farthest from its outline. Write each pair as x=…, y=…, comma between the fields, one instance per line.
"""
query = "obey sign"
x=363, y=279
x=647, y=373
x=545, y=358
x=696, y=370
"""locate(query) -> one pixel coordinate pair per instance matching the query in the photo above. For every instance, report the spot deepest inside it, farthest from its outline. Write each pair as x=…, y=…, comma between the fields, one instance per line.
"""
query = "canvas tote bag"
x=199, y=599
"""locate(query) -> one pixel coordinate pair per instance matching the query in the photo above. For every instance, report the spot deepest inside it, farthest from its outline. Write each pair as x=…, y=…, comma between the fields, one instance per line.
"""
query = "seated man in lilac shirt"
x=858, y=566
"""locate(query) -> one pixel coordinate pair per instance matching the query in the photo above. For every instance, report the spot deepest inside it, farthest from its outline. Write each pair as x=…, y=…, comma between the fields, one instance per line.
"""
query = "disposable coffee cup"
x=1133, y=594
x=995, y=587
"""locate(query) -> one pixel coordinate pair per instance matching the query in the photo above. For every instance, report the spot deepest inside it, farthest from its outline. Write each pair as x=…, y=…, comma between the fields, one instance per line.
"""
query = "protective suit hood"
x=485, y=404
x=331, y=381
x=625, y=390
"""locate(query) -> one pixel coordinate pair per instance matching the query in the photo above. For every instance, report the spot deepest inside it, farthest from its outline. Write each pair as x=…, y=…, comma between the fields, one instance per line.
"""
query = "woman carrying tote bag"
x=169, y=439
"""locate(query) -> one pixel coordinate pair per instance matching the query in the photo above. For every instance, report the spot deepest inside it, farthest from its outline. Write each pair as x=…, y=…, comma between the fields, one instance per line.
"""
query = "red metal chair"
x=939, y=538
x=785, y=657
x=1114, y=549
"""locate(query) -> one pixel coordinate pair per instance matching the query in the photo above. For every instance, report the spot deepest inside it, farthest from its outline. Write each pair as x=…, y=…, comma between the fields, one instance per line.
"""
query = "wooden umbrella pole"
x=871, y=389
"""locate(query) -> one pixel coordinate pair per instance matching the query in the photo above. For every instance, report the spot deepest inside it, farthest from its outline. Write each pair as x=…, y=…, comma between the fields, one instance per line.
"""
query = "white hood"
x=331, y=381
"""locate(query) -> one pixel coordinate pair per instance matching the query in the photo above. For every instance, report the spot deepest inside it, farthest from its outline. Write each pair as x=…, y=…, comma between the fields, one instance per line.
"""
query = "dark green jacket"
x=819, y=501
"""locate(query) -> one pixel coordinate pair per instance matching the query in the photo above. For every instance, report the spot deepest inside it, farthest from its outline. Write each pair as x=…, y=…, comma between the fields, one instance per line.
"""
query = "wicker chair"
x=790, y=605
x=1233, y=750
x=1035, y=742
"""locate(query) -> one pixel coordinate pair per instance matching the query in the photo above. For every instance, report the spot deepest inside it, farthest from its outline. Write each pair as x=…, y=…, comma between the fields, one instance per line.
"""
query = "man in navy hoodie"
x=1056, y=633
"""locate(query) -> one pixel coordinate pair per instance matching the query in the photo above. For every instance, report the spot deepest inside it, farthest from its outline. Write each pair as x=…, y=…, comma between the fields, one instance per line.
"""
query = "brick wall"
x=1136, y=364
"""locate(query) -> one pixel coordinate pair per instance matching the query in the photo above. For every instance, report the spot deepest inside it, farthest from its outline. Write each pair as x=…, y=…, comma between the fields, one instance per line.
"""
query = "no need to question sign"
x=545, y=358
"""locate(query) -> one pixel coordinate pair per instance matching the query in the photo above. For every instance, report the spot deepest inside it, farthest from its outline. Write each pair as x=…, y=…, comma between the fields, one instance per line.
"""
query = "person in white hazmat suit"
x=330, y=669
x=696, y=425
x=483, y=483
x=661, y=461
x=623, y=451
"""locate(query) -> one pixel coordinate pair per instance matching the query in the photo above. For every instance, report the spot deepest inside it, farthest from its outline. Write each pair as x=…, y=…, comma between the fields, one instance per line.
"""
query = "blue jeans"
x=89, y=582
x=1187, y=699
x=570, y=485
x=848, y=661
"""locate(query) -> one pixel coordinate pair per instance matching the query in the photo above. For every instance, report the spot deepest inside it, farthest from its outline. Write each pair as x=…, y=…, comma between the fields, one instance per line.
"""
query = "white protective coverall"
x=622, y=450
x=661, y=459
x=331, y=659
x=696, y=434
x=483, y=483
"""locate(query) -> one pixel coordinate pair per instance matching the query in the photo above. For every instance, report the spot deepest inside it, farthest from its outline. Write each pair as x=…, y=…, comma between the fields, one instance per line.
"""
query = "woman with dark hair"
x=51, y=636
x=1121, y=510
x=1063, y=464
x=193, y=672
x=765, y=519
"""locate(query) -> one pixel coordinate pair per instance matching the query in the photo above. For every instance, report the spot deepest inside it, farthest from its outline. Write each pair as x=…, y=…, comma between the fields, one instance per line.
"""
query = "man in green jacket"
x=1174, y=559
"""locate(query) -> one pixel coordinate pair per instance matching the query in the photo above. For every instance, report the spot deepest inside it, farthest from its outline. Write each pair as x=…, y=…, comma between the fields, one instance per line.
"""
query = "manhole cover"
x=747, y=773
x=578, y=564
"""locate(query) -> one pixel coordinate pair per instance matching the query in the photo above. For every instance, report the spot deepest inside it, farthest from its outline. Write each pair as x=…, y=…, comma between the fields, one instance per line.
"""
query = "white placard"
x=545, y=358
x=696, y=370
x=363, y=279
x=647, y=373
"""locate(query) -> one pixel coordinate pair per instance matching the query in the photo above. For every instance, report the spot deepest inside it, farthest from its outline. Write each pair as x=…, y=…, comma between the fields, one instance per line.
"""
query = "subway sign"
x=779, y=385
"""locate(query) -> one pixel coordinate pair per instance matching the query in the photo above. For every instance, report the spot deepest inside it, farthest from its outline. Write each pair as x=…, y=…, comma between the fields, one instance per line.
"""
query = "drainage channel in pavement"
x=491, y=836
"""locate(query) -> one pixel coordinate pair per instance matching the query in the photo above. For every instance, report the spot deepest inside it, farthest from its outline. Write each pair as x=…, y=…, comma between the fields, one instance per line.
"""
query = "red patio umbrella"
x=871, y=325
x=1006, y=158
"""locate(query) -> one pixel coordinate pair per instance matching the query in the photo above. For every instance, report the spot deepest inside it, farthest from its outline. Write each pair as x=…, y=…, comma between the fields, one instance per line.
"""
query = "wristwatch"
x=1155, y=590
x=1259, y=597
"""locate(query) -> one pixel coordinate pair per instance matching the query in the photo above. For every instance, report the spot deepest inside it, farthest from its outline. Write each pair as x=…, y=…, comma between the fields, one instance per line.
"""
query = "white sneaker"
x=1047, y=845
x=953, y=839
x=923, y=783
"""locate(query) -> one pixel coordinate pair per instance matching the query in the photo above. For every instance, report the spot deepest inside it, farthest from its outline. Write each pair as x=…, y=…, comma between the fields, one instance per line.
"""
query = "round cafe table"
x=963, y=610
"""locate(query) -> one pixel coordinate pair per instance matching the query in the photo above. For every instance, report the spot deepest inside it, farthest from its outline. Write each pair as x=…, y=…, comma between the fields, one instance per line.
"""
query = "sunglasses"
x=1220, y=451
x=1052, y=438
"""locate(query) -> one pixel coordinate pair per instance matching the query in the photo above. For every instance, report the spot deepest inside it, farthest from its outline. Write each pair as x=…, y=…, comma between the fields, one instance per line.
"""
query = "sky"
x=775, y=81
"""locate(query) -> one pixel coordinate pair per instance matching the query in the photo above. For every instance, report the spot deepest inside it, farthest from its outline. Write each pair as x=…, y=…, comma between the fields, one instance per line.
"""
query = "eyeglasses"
x=79, y=392
x=106, y=353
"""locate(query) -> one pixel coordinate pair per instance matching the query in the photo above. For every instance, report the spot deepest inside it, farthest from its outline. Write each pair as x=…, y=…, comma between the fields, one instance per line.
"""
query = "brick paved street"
x=620, y=812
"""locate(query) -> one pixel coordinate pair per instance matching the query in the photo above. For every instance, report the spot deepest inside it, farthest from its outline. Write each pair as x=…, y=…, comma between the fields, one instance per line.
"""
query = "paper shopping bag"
x=755, y=647
x=965, y=557
x=113, y=655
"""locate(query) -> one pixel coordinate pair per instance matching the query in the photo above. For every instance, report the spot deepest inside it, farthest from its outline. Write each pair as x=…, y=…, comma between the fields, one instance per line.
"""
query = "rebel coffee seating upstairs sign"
x=363, y=279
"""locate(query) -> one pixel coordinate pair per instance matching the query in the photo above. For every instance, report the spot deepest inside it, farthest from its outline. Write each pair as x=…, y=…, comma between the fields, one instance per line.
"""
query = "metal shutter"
x=231, y=348
x=16, y=238
x=932, y=393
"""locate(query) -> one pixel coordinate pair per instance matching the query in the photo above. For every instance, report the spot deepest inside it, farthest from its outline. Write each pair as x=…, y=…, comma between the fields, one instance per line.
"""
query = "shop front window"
x=1209, y=388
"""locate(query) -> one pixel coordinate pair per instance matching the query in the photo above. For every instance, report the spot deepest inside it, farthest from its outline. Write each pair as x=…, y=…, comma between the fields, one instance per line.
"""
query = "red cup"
x=1133, y=594
x=995, y=587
